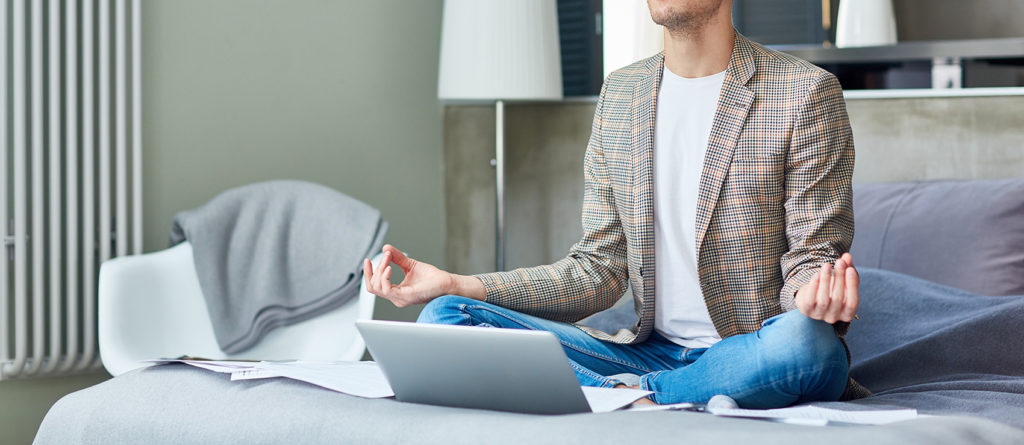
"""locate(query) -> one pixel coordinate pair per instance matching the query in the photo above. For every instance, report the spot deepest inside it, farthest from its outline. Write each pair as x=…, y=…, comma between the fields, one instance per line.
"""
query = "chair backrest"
x=151, y=306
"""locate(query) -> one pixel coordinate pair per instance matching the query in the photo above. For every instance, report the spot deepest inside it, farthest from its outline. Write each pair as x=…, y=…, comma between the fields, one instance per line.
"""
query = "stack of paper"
x=363, y=379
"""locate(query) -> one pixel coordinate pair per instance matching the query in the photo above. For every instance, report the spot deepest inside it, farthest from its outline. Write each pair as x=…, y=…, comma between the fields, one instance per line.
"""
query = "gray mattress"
x=180, y=404
x=918, y=344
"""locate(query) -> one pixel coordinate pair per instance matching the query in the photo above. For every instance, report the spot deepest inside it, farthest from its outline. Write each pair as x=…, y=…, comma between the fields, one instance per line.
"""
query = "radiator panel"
x=70, y=175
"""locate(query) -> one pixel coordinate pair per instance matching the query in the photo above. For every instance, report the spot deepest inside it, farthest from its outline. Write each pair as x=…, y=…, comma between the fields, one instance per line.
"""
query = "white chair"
x=151, y=306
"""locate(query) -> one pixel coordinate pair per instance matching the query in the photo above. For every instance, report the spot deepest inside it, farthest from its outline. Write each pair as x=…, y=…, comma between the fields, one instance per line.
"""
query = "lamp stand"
x=499, y=182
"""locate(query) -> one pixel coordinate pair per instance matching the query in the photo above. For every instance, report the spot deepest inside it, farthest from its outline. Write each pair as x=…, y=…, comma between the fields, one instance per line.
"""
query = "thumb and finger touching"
x=378, y=279
x=399, y=258
x=832, y=294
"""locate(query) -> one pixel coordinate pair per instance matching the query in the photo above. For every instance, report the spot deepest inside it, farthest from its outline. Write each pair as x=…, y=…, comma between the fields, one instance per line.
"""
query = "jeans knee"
x=808, y=352
x=804, y=342
x=446, y=309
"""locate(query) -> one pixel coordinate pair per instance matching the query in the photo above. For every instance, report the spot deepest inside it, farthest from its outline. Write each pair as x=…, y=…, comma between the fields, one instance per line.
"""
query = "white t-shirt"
x=684, y=113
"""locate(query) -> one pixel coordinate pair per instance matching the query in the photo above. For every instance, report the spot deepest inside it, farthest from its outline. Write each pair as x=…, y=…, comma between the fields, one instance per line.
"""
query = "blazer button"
x=641, y=272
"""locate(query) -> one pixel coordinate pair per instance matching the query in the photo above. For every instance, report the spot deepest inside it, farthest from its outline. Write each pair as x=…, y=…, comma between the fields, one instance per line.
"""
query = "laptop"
x=513, y=370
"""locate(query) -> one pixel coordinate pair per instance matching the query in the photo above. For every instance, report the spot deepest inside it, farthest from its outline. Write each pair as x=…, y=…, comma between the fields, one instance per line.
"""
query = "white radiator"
x=70, y=176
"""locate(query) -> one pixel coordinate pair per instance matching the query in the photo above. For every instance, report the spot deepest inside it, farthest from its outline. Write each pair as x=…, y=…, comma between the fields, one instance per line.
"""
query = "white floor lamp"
x=497, y=51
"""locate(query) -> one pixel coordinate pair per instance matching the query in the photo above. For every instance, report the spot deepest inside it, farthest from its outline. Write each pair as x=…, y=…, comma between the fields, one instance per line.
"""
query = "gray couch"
x=943, y=350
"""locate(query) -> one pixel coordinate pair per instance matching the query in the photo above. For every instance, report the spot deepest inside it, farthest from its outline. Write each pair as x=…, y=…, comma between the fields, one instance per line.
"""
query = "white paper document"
x=363, y=379
x=603, y=400
x=812, y=415
x=223, y=366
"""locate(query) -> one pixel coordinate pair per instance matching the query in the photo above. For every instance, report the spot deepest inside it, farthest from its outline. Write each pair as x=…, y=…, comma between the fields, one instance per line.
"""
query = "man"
x=717, y=184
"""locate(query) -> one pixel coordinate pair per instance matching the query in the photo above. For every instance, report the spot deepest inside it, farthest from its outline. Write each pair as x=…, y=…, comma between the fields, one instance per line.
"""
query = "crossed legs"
x=791, y=359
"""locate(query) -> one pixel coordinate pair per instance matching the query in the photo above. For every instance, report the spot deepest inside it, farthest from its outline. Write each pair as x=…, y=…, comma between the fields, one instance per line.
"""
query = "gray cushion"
x=964, y=234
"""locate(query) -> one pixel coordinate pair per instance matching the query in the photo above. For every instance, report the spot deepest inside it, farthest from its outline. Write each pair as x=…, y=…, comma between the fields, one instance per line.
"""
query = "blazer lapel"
x=642, y=115
x=733, y=105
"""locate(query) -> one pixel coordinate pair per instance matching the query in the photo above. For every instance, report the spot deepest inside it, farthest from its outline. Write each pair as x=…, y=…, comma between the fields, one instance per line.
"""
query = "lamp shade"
x=500, y=50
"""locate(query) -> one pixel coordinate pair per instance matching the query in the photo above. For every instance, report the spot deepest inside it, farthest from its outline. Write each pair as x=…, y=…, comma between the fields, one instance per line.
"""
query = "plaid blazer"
x=774, y=204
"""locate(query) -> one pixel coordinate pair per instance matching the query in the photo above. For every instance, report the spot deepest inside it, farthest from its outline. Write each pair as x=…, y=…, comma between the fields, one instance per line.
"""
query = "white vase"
x=865, y=23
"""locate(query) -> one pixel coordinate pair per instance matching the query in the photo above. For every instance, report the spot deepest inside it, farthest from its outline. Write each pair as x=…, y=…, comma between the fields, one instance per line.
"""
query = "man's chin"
x=679, y=19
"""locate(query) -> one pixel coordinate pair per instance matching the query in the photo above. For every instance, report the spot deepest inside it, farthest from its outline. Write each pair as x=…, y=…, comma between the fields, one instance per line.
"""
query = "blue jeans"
x=791, y=359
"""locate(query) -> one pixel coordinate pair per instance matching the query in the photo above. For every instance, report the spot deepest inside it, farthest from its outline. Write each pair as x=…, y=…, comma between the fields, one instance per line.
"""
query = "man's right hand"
x=423, y=282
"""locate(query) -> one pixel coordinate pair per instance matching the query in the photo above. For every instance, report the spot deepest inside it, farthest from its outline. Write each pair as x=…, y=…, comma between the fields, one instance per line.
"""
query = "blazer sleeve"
x=819, y=192
x=592, y=277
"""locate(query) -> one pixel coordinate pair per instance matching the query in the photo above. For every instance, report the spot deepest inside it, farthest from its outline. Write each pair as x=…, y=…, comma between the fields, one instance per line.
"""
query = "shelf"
x=927, y=93
x=1011, y=48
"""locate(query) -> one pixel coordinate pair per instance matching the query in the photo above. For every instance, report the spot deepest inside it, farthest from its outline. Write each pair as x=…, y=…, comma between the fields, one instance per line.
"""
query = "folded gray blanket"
x=276, y=253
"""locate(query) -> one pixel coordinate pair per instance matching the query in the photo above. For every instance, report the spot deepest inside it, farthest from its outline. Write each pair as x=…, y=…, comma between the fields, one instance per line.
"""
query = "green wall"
x=23, y=403
x=341, y=92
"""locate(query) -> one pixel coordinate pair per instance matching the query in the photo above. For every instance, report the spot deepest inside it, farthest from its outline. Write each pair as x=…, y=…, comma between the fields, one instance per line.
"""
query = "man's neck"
x=700, y=53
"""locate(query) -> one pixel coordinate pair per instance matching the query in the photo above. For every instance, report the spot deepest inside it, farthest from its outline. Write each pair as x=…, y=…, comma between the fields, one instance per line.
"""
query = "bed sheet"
x=181, y=404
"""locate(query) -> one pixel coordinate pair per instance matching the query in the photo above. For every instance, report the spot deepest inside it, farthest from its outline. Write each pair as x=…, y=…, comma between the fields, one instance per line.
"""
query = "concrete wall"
x=920, y=139
x=235, y=91
x=896, y=139
x=958, y=19
x=544, y=186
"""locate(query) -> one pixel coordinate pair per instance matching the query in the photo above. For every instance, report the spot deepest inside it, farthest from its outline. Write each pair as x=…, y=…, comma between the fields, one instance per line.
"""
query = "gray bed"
x=180, y=404
x=952, y=351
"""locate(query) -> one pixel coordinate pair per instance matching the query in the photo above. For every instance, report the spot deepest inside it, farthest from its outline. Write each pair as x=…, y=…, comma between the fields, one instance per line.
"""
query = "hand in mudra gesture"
x=832, y=294
x=423, y=282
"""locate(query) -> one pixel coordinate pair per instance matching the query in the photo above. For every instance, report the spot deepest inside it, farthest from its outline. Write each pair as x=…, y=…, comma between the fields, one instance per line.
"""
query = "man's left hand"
x=831, y=296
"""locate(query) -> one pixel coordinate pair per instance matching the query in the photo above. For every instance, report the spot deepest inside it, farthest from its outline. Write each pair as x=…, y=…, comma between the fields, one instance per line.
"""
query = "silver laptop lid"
x=475, y=367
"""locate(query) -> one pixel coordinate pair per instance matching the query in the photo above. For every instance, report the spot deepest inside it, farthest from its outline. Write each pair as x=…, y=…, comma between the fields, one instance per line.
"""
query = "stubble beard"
x=686, y=22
